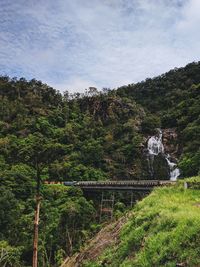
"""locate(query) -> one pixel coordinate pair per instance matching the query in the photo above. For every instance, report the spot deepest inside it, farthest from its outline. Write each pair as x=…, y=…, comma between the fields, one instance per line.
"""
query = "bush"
x=150, y=123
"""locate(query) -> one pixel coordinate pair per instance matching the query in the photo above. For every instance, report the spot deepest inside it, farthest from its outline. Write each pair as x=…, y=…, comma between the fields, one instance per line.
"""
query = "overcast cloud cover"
x=74, y=44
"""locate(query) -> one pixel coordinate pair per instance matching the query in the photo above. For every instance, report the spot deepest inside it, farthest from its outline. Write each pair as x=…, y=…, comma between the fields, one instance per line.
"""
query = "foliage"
x=150, y=122
x=9, y=256
x=92, y=136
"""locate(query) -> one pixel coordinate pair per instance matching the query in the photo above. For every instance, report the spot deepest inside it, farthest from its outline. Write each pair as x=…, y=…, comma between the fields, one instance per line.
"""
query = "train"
x=113, y=183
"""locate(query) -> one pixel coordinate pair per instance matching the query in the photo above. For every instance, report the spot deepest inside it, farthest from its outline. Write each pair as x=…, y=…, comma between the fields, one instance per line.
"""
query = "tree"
x=37, y=151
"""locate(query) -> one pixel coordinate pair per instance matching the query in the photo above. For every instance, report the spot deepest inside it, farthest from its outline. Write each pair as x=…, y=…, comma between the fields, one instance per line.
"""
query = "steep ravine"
x=163, y=147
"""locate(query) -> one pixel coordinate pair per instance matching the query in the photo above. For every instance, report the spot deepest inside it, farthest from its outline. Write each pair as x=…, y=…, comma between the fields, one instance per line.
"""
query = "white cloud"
x=78, y=84
x=104, y=43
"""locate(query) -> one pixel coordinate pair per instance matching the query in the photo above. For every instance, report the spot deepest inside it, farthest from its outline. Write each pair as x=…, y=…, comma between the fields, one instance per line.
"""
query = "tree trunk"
x=36, y=220
x=35, y=241
x=69, y=241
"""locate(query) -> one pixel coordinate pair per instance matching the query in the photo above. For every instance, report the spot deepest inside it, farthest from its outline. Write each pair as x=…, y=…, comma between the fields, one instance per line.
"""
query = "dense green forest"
x=92, y=136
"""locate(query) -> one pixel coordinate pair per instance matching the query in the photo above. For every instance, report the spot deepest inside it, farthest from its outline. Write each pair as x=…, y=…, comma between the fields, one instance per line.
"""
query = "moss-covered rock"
x=154, y=167
x=161, y=168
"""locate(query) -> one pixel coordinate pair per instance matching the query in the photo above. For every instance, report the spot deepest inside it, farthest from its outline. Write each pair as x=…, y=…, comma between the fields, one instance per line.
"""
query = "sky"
x=74, y=44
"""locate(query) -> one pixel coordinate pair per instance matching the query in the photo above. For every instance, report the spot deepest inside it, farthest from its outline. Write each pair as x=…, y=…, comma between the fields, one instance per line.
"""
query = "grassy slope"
x=163, y=231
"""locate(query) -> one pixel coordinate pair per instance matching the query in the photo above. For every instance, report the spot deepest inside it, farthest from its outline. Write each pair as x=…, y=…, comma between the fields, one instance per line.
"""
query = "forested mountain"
x=90, y=136
x=175, y=98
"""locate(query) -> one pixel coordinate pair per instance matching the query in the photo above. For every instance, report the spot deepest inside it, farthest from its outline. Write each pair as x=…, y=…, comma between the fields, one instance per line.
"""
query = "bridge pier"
x=107, y=206
x=131, y=199
x=108, y=200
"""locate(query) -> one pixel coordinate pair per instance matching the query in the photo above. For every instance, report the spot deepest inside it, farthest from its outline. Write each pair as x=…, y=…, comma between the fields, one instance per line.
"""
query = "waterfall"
x=174, y=170
x=155, y=146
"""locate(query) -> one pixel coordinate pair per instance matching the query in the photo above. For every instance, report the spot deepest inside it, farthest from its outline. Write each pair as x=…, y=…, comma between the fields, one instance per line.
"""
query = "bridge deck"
x=122, y=185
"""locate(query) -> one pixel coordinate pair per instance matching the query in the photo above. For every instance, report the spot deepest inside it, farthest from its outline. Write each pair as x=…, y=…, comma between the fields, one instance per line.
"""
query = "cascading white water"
x=174, y=171
x=155, y=146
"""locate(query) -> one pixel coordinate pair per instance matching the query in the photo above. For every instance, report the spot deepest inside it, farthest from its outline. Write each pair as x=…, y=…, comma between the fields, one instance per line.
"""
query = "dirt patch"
x=197, y=204
x=107, y=237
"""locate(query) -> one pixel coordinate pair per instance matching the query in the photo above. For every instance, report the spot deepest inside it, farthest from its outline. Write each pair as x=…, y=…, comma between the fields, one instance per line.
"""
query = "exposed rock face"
x=170, y=142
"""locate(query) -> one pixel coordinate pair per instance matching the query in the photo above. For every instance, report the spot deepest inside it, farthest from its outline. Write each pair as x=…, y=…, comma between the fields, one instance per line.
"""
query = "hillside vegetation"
x=46, y=135
x=175, y=98
x=164, y=230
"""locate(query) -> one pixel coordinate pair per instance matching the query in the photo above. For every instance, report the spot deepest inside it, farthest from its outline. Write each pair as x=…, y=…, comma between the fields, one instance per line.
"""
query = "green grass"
x=163, y=231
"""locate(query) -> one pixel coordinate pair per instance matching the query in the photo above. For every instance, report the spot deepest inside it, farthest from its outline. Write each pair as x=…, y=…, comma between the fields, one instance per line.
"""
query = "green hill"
x=163, y=230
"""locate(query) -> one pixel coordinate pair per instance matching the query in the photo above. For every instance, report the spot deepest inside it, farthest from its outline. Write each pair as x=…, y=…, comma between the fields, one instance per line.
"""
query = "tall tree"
x=38, y=151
